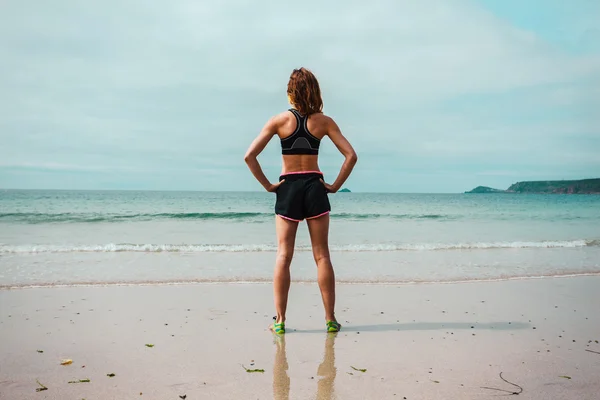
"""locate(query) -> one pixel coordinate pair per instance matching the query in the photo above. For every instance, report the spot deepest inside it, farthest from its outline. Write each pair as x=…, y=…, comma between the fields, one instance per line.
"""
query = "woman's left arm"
x=257, y=146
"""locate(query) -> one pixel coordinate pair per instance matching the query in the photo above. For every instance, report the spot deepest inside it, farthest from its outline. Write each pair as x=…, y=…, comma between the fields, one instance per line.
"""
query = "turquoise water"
x=99, y=237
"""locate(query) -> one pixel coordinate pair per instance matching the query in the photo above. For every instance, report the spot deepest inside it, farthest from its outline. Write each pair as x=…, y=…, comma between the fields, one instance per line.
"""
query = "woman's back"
x=317, y=125
x=300, y=131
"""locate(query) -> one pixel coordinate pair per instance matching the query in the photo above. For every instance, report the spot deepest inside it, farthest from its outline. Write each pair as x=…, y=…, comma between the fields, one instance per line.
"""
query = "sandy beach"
x=427, y=341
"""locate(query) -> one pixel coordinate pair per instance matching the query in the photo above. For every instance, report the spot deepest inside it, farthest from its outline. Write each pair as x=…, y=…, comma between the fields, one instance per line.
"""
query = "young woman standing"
x=301, y=191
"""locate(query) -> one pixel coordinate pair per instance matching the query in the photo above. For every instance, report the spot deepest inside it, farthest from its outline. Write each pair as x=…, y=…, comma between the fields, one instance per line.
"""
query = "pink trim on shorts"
x=302, y=172
x=288, y=218
x=320, y=215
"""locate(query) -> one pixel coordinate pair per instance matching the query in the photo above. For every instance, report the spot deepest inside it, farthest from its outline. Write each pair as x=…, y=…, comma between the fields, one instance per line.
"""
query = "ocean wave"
x=43, y=218
x=251, y=248
x=40, y=218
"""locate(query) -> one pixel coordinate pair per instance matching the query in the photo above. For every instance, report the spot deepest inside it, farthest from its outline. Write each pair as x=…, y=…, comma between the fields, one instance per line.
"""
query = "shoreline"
x=267, y=281
x=415, y=341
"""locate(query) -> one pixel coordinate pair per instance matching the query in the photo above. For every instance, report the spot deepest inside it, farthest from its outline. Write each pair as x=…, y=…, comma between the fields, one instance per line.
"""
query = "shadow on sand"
x=425, y=326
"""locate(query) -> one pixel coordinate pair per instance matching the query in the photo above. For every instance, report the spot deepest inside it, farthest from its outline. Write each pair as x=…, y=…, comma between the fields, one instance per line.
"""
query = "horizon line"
x=199, y=191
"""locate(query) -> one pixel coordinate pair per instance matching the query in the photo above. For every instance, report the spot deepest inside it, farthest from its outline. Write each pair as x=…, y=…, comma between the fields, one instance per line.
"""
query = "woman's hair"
x=305, y=94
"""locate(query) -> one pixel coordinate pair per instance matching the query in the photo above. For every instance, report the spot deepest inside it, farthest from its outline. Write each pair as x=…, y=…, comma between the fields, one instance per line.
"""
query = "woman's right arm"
x=256, y=147
x=344, y=146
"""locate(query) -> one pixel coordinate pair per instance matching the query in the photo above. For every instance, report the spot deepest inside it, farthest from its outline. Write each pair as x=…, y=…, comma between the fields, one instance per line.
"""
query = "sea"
x=64, y=238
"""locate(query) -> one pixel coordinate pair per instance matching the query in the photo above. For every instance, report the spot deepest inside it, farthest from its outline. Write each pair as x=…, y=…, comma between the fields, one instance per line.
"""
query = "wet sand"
x=428, y=341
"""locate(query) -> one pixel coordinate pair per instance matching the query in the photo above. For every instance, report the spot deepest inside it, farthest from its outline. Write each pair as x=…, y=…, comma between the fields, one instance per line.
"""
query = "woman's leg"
x=319, y=237
x=286, y=238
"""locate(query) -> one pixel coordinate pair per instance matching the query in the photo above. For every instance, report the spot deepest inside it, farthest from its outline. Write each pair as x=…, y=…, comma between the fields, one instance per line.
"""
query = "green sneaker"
x=333, y=326
x=279, y=329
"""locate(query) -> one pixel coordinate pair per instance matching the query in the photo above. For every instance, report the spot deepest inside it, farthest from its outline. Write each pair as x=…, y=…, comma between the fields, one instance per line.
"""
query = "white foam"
x=465, y=246
x=237, y=248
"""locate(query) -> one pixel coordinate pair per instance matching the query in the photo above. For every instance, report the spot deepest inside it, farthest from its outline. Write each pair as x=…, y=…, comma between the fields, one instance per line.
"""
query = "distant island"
x=344, y=190
x=485, y=189
x=582, y=186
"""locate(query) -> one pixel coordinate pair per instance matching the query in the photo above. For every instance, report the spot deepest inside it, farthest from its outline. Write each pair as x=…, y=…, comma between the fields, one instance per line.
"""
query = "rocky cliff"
x=583, y=186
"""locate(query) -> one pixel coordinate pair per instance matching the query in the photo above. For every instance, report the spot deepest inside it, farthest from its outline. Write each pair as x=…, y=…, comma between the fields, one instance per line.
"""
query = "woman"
x=301, y=191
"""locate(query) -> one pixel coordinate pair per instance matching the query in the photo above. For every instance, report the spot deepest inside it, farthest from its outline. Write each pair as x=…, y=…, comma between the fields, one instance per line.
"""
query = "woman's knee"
x=321, y=254
x=285, y=255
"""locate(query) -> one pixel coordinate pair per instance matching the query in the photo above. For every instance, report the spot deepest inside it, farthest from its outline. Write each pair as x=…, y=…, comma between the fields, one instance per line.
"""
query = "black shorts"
x=302, y=196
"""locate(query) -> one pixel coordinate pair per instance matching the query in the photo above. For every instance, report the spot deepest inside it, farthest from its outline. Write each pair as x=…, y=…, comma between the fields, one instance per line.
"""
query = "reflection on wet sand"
x=281, y=380
x=326, y=370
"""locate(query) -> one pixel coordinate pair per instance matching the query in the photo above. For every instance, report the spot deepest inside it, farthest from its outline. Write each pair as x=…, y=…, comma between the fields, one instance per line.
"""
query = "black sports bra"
x=301, y=141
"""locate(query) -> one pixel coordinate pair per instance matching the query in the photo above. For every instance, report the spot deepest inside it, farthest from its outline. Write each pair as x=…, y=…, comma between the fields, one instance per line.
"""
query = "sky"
x=436, y=96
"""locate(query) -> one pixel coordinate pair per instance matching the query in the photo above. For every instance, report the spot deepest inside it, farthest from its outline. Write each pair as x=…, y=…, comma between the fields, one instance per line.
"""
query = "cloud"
x=175, y=89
